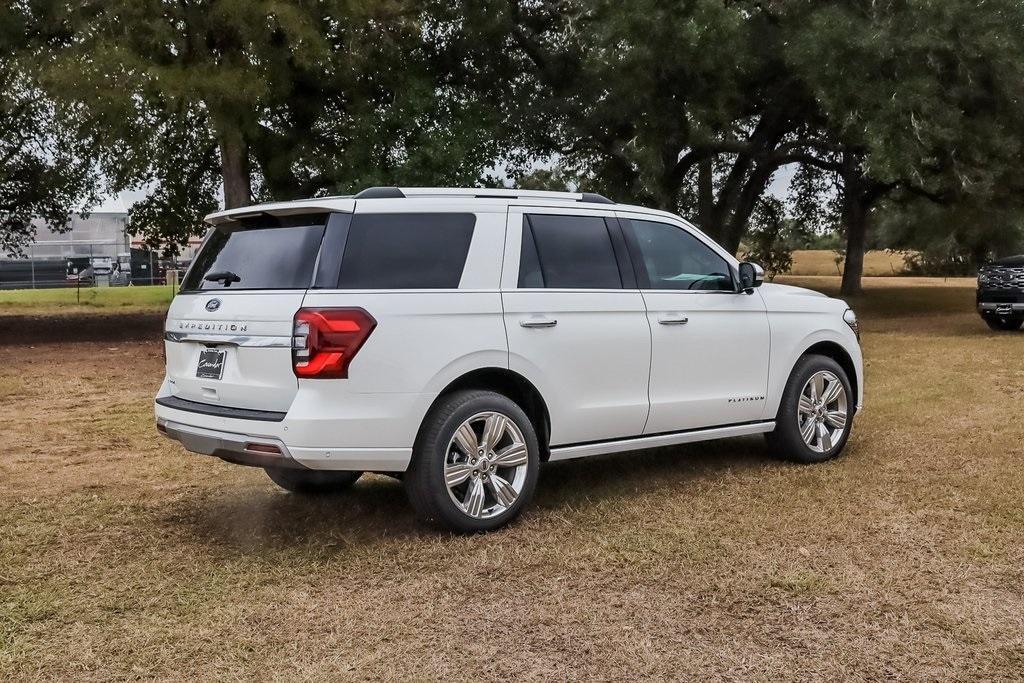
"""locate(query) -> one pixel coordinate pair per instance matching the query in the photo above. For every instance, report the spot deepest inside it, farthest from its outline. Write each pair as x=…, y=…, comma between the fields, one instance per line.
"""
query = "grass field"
x=123, y=557
x=71, y=299
x=823, y=262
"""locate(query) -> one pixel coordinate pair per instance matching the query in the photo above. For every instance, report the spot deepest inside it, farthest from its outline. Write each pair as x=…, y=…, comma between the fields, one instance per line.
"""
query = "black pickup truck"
x=1001, y=293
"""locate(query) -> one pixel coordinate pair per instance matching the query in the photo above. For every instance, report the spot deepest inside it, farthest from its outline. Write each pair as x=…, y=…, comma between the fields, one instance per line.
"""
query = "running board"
x=657, y=441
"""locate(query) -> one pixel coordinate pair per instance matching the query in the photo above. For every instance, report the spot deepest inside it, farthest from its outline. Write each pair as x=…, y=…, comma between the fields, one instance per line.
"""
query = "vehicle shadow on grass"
x=259, y=517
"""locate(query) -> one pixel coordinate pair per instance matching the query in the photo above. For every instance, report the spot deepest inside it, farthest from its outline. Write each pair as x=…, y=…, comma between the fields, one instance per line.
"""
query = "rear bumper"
x=237, y=448
x=318, y=442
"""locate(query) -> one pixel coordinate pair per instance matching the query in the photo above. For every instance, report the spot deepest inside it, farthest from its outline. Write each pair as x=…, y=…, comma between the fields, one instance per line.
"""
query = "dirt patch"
x=22, y=330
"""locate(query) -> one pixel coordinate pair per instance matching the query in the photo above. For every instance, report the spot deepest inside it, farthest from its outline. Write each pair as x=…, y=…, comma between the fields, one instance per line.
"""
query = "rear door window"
x=406, y=250
x=267, y=252
x=568, y=252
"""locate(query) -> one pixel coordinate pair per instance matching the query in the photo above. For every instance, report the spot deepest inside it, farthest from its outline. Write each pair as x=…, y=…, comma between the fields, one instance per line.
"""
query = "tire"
x=1004, y=324
x=787, y=442
x=476, y=501
x=311, y=482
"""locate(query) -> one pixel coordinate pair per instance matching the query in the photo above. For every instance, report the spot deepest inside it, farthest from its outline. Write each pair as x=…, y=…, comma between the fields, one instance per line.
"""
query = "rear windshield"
x=263, y=253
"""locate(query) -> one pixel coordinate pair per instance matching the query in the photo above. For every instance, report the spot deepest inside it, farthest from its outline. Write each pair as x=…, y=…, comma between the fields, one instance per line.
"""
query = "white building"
x=101, y=237
x=102, y=233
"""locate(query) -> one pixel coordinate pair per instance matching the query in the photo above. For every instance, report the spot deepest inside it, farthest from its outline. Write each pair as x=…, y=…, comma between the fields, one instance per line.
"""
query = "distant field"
x=49, y=301
x=823, y=262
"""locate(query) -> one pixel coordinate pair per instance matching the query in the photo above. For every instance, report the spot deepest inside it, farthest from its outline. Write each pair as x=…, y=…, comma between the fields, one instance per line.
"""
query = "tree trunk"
x=855, y=220
x=234, y=161
x=705, y=192
x=746, y=202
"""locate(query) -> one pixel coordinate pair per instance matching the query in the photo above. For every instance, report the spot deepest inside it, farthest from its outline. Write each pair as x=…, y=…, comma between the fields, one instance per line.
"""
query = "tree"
x=950, y=240
x=273, y=99
x=772, y=238
x=684, y=105
x=222, y=61
x=47, y=157
x=921, y=100
x=694, y=106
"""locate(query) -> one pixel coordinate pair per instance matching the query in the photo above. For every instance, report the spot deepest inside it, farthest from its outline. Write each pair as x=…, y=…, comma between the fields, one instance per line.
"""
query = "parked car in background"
x=102, y=265
x=1000, y=296
x=458, y=338
x=79, y=270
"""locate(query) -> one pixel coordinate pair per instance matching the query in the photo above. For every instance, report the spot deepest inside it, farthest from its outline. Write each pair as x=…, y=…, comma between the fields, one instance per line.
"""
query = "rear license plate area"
x=211, y=364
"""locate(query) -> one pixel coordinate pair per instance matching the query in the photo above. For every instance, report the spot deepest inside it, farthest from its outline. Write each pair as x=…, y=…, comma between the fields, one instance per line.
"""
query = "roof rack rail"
x=381, y=193
x=480, y=193
x=594, y=198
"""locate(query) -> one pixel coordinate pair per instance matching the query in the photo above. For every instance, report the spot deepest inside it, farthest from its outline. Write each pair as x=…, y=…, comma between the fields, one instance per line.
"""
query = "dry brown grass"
x=823, y=262
x=123, y=557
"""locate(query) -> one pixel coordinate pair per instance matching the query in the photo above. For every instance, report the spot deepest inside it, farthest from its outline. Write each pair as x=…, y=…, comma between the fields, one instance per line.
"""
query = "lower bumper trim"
x=219, y=411
x=234, y=448
x=993, y=307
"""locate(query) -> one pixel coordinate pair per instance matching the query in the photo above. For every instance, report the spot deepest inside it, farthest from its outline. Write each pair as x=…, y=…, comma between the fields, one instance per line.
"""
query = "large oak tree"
x=270, y=99
x=47, y=153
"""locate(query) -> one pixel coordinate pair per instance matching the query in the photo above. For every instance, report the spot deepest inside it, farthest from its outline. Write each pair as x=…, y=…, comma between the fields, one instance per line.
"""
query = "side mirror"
x=751, y=275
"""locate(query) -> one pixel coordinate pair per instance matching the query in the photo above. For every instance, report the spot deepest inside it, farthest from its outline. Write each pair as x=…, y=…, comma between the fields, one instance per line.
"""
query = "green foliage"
x=689, y=105
x=47, y=152
x=772, y=238
x=182, y=193
x=951, y=240
x=927, y=92
x=277, y=99
x=643, y=99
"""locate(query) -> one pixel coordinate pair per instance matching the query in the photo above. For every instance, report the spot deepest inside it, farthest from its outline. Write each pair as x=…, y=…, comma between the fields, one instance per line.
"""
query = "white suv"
x=457, y=339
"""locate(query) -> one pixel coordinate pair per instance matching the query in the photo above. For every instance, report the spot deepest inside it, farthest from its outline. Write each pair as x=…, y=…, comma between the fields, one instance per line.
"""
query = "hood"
x=789, y=290
x=1008, y=261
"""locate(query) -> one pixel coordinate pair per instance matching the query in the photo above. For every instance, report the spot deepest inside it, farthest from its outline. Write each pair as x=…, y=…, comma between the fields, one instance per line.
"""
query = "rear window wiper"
x=225, y=276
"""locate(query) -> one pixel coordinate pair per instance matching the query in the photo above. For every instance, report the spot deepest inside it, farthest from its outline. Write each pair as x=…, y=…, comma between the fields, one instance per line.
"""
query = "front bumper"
x=1000, y=308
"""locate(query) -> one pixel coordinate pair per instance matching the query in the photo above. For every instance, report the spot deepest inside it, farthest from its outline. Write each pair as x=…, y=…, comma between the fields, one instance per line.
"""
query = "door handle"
x=673, y=320
x=538, y=322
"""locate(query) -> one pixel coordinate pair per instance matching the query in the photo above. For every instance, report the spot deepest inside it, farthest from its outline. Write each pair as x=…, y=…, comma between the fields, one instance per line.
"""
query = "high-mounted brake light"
x=325, y=340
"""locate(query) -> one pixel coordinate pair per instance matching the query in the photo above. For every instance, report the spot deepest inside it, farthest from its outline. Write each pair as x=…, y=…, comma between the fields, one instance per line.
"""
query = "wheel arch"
x=513, y=385
x=836, y=352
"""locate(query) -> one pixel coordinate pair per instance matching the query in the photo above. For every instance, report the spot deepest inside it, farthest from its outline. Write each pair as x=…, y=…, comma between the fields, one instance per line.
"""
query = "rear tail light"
x=325, y=340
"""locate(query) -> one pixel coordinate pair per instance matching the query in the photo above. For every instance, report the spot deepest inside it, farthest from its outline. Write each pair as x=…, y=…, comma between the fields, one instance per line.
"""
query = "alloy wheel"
x=822, y=412
x=485, y=465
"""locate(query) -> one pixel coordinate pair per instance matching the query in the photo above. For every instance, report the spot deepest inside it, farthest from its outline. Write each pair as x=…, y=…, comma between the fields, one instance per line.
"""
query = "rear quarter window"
x=406, y=250
x=259, y=253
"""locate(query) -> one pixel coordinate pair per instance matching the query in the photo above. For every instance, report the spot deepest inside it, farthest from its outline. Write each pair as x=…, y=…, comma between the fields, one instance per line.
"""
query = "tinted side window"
x=675, y=259
x=406, y=250
x=573, y=252
x=262, y=253
x=530, y=276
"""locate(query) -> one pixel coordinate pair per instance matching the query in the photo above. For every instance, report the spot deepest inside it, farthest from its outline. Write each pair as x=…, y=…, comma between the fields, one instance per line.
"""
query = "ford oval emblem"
x=212, y=305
